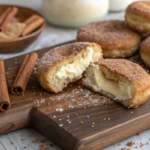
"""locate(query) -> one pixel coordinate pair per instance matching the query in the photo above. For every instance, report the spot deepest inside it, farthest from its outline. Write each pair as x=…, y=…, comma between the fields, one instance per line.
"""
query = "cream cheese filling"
x=75, y=69
x=97, y=79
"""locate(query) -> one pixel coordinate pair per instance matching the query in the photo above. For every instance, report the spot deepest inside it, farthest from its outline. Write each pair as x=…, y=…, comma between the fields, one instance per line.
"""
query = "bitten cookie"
x=138, y=17
x=120, y=80
x=65, y=64
x=115, y=38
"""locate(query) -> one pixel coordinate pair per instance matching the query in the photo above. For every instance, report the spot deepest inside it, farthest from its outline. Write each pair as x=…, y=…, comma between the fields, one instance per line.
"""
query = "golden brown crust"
x=62, y=55
x=145, y=51
x=138, y=17
x=140, y=8
x=135, y=74
x=131, y=71
x=144, y=31
x=145, y=46
x=120, y=53
x=111, y=35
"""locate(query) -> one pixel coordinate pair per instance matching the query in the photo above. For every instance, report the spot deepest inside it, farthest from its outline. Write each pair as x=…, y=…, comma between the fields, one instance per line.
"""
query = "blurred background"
x=68, y=13
x=94, y=9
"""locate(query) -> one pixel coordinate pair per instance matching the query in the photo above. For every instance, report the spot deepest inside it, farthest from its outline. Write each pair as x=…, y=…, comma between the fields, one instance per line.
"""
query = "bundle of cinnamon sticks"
x=30, y=24
x=7, y=16
x=20, y=83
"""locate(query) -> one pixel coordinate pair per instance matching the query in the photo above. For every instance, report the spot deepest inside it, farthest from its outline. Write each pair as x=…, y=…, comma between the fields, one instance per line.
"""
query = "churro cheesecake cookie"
x=65, y=64
x=138, y=17
x=115, y=38
x=120, y=80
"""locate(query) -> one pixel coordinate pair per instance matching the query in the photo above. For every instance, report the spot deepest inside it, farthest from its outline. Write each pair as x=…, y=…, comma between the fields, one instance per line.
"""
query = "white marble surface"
x=25, y=139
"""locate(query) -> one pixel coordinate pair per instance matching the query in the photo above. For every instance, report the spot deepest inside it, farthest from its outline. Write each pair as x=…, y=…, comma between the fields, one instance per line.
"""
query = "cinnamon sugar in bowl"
x=15, y=33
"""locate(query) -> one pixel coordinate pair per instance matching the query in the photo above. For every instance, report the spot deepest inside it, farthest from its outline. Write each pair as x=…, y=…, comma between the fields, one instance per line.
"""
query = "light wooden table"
x=29, y=139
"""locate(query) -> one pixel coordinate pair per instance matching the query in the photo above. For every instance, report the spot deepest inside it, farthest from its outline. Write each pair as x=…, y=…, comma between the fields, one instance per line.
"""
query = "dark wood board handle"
x=83, y=136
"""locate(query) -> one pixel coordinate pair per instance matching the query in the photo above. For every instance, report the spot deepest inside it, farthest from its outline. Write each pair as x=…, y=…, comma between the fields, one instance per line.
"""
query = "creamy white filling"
x=99, y=82
x=75, y=69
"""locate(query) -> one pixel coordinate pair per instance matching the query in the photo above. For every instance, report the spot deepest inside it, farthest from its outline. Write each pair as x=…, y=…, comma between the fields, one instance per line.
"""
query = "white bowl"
x=74, y=13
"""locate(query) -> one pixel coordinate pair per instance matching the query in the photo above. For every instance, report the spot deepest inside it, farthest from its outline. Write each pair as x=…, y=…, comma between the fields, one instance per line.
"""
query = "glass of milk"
x=74, y=13
x=120, y=5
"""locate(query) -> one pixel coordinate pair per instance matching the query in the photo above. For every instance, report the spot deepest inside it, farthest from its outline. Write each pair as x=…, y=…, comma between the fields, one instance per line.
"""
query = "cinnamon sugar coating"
x=130, y=80
x=61, y=53
x=137, y=77
x=138, y=17
x=131, y=71
x=141, y=8
x=145, y=51
x=115, y=38
x=65, y=64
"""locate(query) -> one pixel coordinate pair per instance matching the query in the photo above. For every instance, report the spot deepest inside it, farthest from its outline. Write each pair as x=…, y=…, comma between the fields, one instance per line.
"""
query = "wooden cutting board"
x=75, y=119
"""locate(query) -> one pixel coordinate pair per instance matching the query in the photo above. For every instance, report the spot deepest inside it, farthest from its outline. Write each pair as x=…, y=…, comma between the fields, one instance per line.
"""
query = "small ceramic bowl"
x=22, y=42
x=74, y=13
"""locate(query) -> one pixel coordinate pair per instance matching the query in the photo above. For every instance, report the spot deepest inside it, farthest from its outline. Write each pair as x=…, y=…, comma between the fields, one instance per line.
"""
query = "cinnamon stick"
x=4, y=96
x=32, y=24
x=4, y=14
x=24, y=74
x=8, y=17
x=30, y=19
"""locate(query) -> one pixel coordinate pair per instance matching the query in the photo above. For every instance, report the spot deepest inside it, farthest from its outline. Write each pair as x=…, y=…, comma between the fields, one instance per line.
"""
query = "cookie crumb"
x=43, y=147
x=93, y=123
x=34, y=141
x=22, y=139
x=130, y=143
x=123, y=148
x=42, y=140
x=87, y=117
x=141, y=144
x=92, y=126
x=81, y=122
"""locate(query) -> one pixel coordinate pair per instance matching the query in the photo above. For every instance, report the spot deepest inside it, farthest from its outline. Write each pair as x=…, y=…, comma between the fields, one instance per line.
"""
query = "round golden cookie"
x=119, y=79
x=145, y=51
x=114, y=37
x=138, y=17
x=65, y=64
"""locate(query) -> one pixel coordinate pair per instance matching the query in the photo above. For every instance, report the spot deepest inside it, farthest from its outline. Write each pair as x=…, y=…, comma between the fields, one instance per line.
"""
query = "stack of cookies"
x=114, y=77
